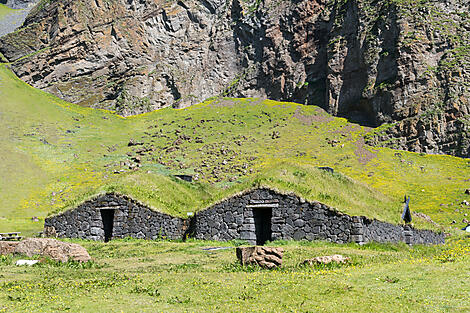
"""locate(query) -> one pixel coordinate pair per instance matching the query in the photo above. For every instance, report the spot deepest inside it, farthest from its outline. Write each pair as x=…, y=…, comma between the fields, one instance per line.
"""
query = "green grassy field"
x=56, y=154
x=160, y=276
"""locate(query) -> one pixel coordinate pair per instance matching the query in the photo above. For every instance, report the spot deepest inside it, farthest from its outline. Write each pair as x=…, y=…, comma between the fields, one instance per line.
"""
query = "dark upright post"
x=406, y=216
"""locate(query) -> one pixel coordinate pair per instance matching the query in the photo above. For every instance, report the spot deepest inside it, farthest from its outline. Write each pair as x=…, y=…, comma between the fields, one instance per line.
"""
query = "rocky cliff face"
x=401, y=62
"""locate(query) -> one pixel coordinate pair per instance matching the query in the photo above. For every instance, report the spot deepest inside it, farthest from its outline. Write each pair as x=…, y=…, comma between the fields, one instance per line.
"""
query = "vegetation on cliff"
x=401, y=62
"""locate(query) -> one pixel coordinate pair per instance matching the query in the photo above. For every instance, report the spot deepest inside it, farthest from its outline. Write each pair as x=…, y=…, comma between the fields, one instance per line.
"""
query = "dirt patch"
x=346, y=130
x=310, y=119
x=425, y=217
x=230, y=102
x=363, y=154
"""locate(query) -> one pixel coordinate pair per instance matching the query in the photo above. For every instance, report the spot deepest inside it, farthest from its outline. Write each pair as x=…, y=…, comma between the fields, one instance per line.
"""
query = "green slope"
x=55, y=154
x=4, y=10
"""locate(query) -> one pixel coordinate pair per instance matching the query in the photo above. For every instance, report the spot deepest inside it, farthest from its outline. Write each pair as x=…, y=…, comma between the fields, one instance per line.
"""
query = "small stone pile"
x=45, y=247
x=327, y=259
x=266, y=257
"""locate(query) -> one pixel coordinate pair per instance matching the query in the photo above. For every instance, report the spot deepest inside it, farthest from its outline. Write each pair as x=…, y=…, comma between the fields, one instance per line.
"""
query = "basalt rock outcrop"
x=404, y=63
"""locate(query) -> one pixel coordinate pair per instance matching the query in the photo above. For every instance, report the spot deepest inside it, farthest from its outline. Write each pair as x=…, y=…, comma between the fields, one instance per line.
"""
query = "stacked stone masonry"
x=131, y=219
x=255, y=216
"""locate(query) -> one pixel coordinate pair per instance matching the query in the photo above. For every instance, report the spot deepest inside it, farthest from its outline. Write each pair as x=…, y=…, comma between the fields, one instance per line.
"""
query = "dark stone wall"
x=374, y=230
x=131, y=219
x=238, y=217
x=292, y=218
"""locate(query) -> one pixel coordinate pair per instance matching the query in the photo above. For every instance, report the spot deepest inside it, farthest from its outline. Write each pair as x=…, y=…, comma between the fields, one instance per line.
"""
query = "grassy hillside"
x=4, y=10
x=55, y=154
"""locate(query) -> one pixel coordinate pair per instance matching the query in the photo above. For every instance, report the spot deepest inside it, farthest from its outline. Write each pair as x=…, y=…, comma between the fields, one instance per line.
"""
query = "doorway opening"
x=107, y=217
x=263, y=230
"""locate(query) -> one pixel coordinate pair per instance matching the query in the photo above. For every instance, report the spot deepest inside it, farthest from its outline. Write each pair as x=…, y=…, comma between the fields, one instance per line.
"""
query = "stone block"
x=276, y=236
x=357, y=225
x=229, y=218
x=247, y=235
x=84, y=226
x=249, y=220
x=356, y=219
x=96, y=223
x=248, y=227
x=96, y=231
x=357, y=231
x=299, y=234
x=357, y=238
x=233, y=234
x=278, y=220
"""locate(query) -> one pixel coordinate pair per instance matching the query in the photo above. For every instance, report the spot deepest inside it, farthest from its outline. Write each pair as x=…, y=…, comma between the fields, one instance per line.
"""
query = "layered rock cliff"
x=402, y=62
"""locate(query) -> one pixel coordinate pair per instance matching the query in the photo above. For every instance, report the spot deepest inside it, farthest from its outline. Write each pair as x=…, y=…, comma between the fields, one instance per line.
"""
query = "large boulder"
x=266, y=257
x=54, y=249
x=7, y=247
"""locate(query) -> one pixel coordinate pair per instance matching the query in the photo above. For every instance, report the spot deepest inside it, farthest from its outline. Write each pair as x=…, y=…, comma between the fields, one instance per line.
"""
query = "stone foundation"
x=255, y=216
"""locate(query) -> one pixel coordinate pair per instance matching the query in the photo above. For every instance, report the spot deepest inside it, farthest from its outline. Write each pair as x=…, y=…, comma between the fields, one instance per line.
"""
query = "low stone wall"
x=255, y=216
x=131, y=219
x=373, y=230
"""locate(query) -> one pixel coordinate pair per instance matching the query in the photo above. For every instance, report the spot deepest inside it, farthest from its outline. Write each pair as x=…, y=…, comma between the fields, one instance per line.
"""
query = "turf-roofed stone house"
x=257, y=216
x=114, y=216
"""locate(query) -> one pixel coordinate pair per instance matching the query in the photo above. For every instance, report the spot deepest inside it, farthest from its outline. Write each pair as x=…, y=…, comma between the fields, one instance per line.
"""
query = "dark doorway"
x=262, y=225
x=108, y=217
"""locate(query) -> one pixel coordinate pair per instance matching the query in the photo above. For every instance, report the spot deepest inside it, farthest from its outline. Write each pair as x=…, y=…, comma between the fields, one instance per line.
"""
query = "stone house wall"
x=294, y=218
x=255, y=216
x=131, y=219
x=291, y=218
